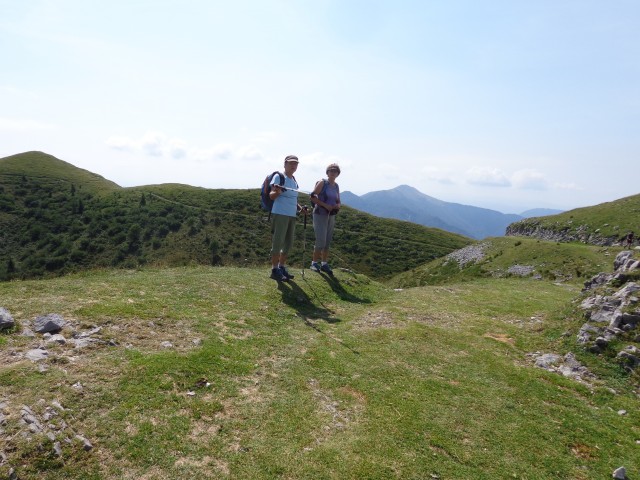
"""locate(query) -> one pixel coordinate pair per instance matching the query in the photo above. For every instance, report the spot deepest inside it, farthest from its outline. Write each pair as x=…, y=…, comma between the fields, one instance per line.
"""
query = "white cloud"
x=154, y=144
x=487, y=177
x=530, y=180
x=157, y=144
x=222, y=151
x=434, y=174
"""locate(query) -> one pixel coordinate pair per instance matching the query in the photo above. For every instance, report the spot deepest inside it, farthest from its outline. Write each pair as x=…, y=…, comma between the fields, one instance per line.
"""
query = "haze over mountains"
x=407, y=203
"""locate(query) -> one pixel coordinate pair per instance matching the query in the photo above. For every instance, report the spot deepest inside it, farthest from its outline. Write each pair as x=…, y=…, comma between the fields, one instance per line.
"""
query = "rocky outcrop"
x=559, y=233
x=612, y=311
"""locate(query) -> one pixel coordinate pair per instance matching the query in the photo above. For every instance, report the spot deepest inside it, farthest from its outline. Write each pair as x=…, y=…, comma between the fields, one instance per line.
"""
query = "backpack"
x=323, y=195
x=265, y=200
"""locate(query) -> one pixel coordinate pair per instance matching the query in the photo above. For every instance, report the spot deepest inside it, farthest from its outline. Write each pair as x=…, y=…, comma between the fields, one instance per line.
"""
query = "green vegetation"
x=58, y=219
x=567, y=262
x=314, y=379
x=611, y=220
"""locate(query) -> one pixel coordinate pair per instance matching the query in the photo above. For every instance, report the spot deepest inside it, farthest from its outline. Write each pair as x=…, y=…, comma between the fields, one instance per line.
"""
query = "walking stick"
x=304, y=239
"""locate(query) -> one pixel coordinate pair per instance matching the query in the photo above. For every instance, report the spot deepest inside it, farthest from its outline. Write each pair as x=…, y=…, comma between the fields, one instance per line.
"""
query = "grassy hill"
x=198, y=372
x=604, y=224
x=513, y=257
x=56, y=219
x=50, y=170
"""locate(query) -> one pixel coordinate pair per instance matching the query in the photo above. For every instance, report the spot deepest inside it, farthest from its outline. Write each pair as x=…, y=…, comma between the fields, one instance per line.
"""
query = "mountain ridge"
x=407, y=203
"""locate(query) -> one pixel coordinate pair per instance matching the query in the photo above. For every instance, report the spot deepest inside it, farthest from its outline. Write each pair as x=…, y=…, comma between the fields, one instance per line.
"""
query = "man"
x=283, y=214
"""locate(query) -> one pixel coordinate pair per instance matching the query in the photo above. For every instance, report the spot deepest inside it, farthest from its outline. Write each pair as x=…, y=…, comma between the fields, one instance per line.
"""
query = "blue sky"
x=503, y=104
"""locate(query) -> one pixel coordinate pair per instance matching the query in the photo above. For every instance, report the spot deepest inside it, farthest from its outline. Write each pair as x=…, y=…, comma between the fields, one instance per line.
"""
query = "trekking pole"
x=295, y=190
x=304, y=238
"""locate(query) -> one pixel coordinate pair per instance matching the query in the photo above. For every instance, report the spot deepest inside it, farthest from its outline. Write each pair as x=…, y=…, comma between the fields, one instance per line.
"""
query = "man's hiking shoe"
x=314, y=266
x=277, y=275
x=286, y=274
x=326, y=268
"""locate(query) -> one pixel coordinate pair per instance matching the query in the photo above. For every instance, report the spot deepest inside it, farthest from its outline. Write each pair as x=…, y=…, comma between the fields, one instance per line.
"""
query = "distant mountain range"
x=407, y=203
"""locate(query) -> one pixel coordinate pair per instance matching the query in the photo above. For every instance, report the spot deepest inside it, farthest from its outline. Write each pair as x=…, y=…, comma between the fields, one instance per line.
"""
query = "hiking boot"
x=276, y=274
x=326, y=268
x=314, y=266
x=286, y=274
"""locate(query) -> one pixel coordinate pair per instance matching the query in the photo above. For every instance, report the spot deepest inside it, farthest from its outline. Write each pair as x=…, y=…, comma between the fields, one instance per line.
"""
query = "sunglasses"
x=333, y=170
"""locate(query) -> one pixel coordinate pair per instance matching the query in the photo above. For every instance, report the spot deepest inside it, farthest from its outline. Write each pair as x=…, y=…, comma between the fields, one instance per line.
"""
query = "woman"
x=326, y=198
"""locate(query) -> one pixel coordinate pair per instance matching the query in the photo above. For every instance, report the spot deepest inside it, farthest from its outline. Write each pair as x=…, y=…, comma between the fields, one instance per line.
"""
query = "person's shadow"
x=298, y=299
x=339, y=289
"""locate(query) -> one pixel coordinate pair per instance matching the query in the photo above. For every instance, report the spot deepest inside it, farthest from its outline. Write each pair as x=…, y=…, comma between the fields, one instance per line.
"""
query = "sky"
x=501, y=104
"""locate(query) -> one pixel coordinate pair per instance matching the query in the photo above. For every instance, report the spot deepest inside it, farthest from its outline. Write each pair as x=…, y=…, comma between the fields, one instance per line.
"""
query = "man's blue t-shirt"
x=287, y=202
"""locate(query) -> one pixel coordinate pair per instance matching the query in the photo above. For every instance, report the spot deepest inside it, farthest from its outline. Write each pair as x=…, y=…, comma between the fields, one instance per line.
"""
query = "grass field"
x=316, y=379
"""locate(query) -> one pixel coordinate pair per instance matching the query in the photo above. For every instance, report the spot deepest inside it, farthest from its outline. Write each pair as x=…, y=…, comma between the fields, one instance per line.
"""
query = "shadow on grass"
x=298, y=299
x=339, y=290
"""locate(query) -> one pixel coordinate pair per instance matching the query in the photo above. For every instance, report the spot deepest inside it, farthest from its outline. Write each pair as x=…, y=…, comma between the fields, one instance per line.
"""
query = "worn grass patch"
x=222, y=373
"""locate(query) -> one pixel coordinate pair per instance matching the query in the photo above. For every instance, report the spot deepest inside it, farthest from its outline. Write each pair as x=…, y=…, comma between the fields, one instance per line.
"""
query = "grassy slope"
x=570, y=262
x=316, y=379
x=610, y=219
x=56, y=219
x=49, y=168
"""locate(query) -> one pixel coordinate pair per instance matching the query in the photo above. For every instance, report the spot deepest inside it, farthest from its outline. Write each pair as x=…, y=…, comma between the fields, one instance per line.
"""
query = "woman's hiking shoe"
x=276, y=274
x=326, y=268
x=286, y=274
x=314, y=266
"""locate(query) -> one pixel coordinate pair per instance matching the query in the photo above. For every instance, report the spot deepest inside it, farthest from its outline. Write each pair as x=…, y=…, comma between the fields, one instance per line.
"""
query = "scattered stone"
x=622, y=412
x=469, y=254
x=81, y=342
x=86, y=444
x=49, y=323
x=57, y=338
x=30, y=419
x=630, y=357
x=611, y=317
x=166, y=344
x=620, y=473
x=567, y=366
x=6, y=320
x=520, y=270
x=88, y=333
x=57, y=449
x=548, y=361
x=37, y=354
x=26, y=332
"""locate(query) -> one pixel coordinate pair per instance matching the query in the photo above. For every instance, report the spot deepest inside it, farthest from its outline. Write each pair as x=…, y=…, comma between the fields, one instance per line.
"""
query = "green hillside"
x=513, y=257
x=49, y=170
x=604, y=224
x=57, y=219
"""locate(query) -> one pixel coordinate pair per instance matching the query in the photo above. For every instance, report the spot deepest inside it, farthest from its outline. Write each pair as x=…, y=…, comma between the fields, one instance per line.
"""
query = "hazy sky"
x=503, y=104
